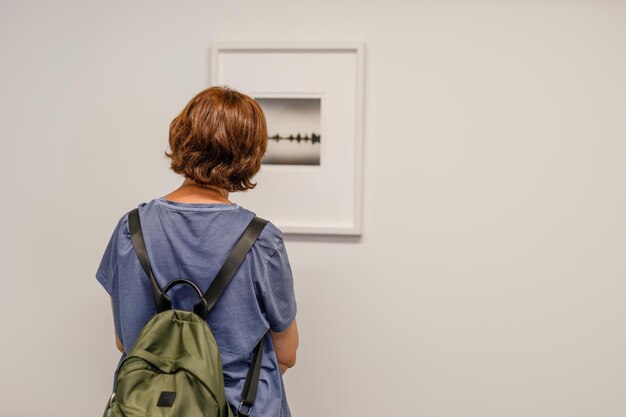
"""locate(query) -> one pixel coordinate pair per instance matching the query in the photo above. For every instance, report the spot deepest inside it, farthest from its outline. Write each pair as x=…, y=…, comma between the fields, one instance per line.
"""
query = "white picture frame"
x=325, y=195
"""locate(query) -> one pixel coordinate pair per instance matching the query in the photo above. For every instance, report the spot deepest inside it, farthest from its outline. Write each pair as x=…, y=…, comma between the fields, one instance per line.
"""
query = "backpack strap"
x=248, y=395
x=230, y=267
x=161, y=300
x=215, y=291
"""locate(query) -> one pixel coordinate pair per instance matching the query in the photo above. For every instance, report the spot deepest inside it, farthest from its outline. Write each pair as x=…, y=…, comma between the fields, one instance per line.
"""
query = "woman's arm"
x=285, y=346
x=118, y=342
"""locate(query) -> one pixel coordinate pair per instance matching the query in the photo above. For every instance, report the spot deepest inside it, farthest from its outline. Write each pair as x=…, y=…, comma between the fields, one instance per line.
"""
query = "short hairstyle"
x=219, y=139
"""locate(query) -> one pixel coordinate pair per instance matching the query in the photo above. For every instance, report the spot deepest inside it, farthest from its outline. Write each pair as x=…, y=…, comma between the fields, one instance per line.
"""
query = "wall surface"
x=490, y=277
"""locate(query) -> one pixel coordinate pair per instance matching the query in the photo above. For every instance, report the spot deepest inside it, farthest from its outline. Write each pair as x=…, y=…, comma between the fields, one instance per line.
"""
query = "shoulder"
x=271, y=237
x=122, y=226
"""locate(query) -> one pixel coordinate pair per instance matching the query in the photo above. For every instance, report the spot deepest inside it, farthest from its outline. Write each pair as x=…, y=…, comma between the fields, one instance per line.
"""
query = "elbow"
x=289, y=361
x=118, y=344
x=285, y=346
x=287, y=364
x=288, y=358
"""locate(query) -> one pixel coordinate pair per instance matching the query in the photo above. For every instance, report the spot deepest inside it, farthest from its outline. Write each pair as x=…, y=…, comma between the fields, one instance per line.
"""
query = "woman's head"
x=219, y=139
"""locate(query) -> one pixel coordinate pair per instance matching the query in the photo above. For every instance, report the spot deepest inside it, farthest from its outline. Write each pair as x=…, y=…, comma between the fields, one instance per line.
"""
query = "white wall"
x=490, y=278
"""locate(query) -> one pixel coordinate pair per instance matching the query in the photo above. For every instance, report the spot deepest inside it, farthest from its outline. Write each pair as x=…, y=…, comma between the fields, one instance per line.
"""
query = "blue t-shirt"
x=192, y=241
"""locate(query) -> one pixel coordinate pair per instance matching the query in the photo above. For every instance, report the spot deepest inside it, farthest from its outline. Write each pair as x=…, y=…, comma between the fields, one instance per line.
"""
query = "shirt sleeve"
x=108, y=263
x=277, y=290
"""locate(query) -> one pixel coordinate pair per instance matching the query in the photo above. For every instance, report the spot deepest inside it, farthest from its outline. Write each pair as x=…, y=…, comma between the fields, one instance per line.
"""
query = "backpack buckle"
x=111, y=399
x=243, y=413
x=109, y=407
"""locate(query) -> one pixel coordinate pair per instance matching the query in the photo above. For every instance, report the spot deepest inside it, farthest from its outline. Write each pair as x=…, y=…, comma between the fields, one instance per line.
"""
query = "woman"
x=217, y=143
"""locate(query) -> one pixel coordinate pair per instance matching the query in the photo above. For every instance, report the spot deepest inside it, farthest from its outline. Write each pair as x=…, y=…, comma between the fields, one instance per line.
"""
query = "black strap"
x=161, y=300
x=248, y=395
x=230, y=267
x=212, y=294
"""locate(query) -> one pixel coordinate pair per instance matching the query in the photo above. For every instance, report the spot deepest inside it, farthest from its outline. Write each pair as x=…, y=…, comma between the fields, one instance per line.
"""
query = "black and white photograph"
x=293, y=126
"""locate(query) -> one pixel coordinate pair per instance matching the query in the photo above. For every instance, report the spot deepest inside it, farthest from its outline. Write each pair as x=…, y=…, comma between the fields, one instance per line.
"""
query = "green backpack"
x=174, y=368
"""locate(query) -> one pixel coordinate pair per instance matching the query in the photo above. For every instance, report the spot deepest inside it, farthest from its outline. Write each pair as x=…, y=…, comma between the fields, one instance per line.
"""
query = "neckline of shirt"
x=177, y=205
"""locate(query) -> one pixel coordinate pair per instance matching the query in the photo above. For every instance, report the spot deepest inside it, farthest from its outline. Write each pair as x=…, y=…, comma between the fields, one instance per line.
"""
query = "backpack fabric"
x=174, y=367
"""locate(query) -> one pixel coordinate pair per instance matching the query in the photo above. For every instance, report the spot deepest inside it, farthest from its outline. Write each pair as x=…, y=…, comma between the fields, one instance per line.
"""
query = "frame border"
x=357, y=47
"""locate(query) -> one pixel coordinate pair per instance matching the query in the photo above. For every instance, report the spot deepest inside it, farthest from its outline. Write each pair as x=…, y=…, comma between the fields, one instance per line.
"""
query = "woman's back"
x=192, y=240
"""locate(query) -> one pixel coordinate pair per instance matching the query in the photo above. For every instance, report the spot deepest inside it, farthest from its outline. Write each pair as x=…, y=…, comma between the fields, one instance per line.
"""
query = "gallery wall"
x=489, y=279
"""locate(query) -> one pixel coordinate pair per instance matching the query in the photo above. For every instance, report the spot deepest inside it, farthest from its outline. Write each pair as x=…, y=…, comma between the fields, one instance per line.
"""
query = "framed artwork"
x=310, y=180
